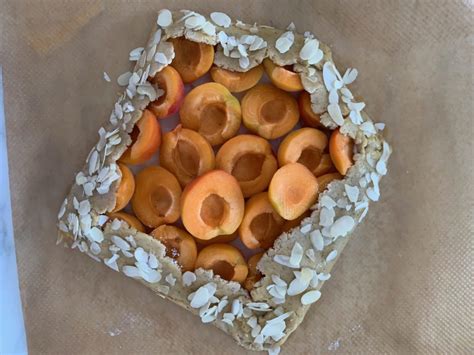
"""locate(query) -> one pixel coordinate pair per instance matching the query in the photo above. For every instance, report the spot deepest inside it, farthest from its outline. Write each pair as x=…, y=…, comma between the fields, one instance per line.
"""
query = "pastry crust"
x=320, y=238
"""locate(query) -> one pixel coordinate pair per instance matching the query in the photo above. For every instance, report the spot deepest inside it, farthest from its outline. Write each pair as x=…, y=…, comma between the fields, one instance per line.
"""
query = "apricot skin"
x=225, y=260
x=131, y=220
x=310, y=118
x=125, y=189
x=186, y=154
x=238, y=157
x=340, y=149
x=179, y=245
x=237, y=81
x=293, y=190
x=254, y=275
x=281, y=77
x=219, y=239
x=170, y=81
x=192, y=59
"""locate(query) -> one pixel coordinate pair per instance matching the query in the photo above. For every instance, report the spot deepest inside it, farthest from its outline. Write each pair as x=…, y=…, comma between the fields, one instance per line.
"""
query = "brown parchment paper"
x=404, y=283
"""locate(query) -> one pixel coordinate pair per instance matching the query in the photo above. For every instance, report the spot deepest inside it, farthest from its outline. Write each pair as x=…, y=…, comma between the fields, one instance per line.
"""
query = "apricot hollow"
x=288, y=225
x=169, y=80
x=326, y=179
x=186, y=154
x=310, y=118
x=130, y=219
x=261, y=224
x=305, y=146
x=179, y=244
x=125, y=189
x=282, y=77
x=156, y=198
x=212, y=205
x=293, y=190
x=146, y=139
x=253, y=275
x=250, y=160
x=269, y=112
x=224, y=260
x=237, y=81
x=325, y=166
x=211, y=110
x=192, y=59
x=341, y=151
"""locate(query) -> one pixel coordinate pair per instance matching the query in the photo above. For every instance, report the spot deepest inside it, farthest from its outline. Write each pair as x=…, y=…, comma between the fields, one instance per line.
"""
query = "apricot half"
x=261, y=225
x=211, y=110
x=156, y=198
x=341, y=150
x=170, y=81
x=269, y=112
x=237, y=81
x=305, y=146
x=325, y=166
x=293, y=190
x=250, y=160
x=125, y=189
x=309, y=117
x=180, y=246
x=219, y=239
x=186, y=154
x=324, y=180
x=192, y=59
x=254, y=275
x=212, y=205
x=282, y=77
x=224, y=260
x=131, y=220
x=288, y=225
x=146, y=139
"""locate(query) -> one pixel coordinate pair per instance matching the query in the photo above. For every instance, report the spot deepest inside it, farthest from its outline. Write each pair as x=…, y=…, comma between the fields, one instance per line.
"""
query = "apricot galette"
x=238, y=210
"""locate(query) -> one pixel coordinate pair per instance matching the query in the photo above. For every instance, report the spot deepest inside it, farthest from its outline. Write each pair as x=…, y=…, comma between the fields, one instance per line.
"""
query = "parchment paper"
x=404, y=283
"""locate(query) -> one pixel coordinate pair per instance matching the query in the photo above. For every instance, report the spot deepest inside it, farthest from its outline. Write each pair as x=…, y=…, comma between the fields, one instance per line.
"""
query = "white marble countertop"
x=12, y=330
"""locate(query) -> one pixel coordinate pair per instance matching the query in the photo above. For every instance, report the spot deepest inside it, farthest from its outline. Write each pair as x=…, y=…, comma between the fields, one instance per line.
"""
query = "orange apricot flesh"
x=224, y=260
x=130, y=219
x=156, y=198
x=186, y=154
x=341, y=151
x=192, y=59
x=326, y=179
x=325, y=166
x=282, y=77
x=310, y=118
x=288, y=225
x=213, y=111
x=305, y=146
x=293, y=190
x=212, y=205
x=269, y=112
x=237, y=81
x=254, y=275
x=250, y=160
x=261, y=225
x=146, y=139
x=169, y=80
x=125, y=189
x=179, y=244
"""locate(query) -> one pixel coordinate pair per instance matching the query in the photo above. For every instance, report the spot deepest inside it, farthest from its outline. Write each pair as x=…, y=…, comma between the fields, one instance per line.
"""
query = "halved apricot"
x=250, y=160
x=269, y=112
x=169, y=80
x=325, y=166
x=219, y=239
x=282, y=77
x=180, y=246
x=224, y=260
x=130, y=219
x=212, y=205
x=156, y=198
x=211, y=110
x=192, y=59
x=254, y=275
x=288, y=225
x=186, y=154
x=293, y=190
x=237, y=81
x=305, y=146
x=324, y=180
x=261, y=225
x=341, y=151
x=125, y=189
x=146, y=139
x=309, y=117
